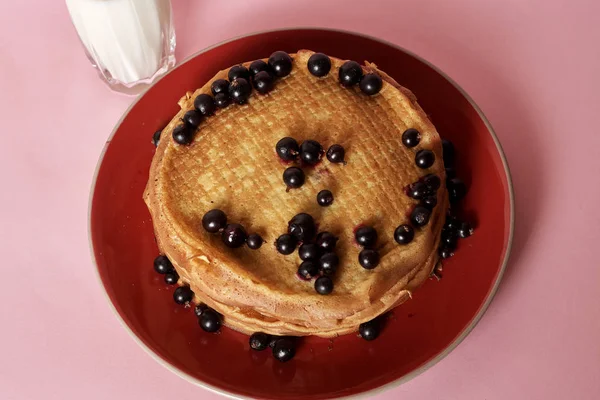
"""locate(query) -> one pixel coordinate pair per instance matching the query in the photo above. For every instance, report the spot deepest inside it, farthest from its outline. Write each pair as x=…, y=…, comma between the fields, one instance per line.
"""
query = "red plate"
x=420, y=332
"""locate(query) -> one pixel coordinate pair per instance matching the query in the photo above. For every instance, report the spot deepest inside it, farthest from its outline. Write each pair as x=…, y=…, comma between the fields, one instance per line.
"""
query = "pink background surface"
x=530, y=64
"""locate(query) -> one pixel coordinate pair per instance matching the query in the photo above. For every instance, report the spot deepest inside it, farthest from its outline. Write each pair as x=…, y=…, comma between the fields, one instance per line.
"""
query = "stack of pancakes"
x=232, y=165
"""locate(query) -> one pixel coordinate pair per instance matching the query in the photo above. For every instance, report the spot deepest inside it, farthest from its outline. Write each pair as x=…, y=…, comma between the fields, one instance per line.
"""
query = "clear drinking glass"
x=129, y=42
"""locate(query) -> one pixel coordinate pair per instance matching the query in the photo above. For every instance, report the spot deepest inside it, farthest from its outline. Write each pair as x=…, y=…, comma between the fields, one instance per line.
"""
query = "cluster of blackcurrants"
x=424, y=190
x=237, y=88
x=262, y=75
x=209, y=319
x=454, y=228
x=163, y=266
x=284, y=347
x=456, y=187
x=318, y=257
x=309, y=153
x=233, y=235
x=349, y=74
x=366, y=236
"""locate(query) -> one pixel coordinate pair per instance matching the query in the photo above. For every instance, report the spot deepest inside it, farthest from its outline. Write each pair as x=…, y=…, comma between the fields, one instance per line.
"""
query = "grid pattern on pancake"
x=232, y=165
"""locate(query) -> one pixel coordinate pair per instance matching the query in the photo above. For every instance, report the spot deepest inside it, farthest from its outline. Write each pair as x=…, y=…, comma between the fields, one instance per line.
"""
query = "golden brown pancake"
x=232, y=165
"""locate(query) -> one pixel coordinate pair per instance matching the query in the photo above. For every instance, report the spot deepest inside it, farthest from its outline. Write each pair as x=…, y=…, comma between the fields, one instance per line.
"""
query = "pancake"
x=232, y=165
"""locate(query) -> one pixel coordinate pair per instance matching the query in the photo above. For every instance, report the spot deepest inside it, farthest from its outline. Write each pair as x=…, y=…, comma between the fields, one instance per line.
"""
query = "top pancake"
x=232, y=165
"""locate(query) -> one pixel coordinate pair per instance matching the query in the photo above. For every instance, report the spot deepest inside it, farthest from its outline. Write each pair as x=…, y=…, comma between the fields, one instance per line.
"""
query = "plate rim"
x=371, y=392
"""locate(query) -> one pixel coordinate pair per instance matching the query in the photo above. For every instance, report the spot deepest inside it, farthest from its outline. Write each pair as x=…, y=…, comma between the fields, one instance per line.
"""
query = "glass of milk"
x=130, y=42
